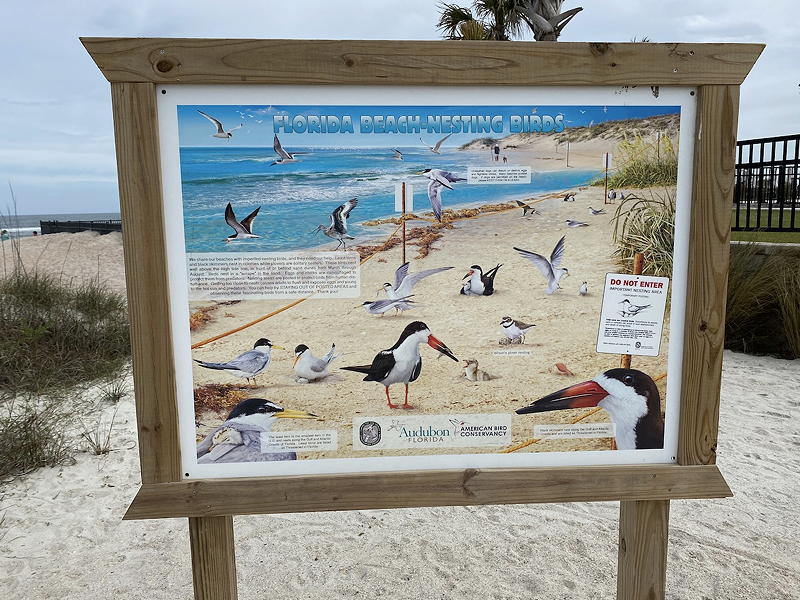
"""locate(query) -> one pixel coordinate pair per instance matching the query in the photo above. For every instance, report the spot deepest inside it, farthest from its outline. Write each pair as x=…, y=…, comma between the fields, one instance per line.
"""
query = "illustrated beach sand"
x=565, y=332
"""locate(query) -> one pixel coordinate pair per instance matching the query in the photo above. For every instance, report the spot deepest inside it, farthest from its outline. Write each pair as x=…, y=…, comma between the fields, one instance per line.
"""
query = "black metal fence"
x=767, y=192
x=106, y=226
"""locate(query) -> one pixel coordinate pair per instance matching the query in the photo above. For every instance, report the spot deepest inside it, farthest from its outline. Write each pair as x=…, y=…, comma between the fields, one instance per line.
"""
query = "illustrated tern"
x=397, y=154
x=631, y=310
x=338, y=227
x=629, y=396
x=283, y=155
x=248, y=364
x=402, y=363
x=241, y=229
x=584, y=289
x=308, y=367
x=527, y=209
x=571, y=223
x=551, y=269
x=479, y=283
x=220, y=133
x=596, y=212
x=239, y=438
x=435, y=148
x=380, y=307
x=404, y=283
x=438, y=179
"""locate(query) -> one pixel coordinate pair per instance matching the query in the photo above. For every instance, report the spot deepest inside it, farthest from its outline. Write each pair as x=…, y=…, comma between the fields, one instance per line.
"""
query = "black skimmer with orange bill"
x=629, y=396
x=241, y=229
x=479, y=283
x=402, y=363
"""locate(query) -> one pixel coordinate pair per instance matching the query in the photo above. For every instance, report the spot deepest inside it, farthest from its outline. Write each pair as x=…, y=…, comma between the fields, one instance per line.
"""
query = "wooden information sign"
x=229, y=154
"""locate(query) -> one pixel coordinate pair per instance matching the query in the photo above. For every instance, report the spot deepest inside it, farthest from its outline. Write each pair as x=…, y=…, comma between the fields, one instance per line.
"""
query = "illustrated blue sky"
x=257, y=123
x=56, y=130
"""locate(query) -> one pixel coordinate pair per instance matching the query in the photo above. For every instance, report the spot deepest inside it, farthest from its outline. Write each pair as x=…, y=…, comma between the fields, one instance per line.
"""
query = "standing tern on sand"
x=308, y=367
x=584, y=289
x=515, y=330
x=551, y=269
x=241, y=229
x=435, y=148
x=338, y=227
x=571, y=223
x=438, y=179
x=404, y=283
x=248, y=364
x=220, y=133
x=283, y=155
x=402, y=362
x=479, y=283
x=629, y=396
x=239, y=438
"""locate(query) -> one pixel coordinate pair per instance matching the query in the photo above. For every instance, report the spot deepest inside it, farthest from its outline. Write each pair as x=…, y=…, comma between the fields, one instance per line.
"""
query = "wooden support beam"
x=213, y=558
x=642, y=562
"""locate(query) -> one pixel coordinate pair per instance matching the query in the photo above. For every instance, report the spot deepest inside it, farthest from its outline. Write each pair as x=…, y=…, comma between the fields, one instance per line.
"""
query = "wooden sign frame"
x=135, y=68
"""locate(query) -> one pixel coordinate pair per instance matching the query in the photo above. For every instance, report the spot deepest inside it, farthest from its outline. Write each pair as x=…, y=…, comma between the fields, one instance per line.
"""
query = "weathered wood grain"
x=642, y=556
x=139, y=174
x=707, y=281
x=363, y=62
x=213, y=558
x=267, y=495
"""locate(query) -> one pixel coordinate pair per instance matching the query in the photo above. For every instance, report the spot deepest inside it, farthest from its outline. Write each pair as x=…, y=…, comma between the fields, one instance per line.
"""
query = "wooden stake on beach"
x=638, y=266
x=403, y=217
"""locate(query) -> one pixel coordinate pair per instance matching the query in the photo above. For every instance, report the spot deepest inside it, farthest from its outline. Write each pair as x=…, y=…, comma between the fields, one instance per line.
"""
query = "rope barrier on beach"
x=532, y=441
x=365, y=259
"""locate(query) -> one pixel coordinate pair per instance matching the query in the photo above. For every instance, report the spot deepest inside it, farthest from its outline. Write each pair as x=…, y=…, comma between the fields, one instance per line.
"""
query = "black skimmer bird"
x=338, y=227
x=479, y=283
x=241, y=229
x=438, y=180
x=527, y=209
x=436, y=147
x=283, y=155
x=570, y=197
x=397, y=154
x=308, y=367
x=515, y=330
x=596, y=212
x=629, y=396
x=402, y=362
x=248, y=364
x=584, y=289
x=631, y=310
x=379, y=307
x=239, y=438
x=404, y=283
x=612, y=195
x=220, y=133
x=551, y=269
x=571, y=223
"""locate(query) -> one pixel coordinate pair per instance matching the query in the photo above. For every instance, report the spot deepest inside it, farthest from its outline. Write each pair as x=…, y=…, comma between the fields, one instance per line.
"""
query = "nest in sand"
x=220, y=397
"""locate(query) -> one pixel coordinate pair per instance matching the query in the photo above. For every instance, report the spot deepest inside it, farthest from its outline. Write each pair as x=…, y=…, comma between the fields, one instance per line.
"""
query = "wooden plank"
x=642, y=558
x=267, y=495
x=139, y=173
x=707, y=281
x=355, y=62
x=213, y=558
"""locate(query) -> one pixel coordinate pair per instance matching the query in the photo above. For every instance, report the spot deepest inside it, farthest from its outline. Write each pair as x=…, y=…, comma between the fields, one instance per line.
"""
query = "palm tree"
x=504, y=19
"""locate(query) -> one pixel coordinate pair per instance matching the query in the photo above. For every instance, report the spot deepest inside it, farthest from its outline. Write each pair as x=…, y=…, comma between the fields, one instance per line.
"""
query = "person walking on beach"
x=505, y=159
x=496, y=150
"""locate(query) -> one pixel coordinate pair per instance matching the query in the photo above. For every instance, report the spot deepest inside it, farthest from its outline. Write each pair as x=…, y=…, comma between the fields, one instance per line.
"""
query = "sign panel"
x=302, y=343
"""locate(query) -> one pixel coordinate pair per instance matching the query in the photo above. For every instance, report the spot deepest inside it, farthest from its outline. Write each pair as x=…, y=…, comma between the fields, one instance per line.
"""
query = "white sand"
x=62, y=537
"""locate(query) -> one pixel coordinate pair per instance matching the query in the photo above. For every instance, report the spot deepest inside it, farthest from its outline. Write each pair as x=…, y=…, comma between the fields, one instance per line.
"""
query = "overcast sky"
x=55, y=109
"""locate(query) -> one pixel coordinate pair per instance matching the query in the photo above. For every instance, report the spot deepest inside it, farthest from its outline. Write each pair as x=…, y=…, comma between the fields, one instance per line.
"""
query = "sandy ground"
x=63, y=539
x=566, y=330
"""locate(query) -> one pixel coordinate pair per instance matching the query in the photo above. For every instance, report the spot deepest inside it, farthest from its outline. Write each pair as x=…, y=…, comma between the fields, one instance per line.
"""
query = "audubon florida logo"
x=434, y=431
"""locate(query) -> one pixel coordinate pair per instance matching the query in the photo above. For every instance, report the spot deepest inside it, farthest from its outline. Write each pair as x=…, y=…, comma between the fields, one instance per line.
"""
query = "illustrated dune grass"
x=643, y=163
x=646, y=224
x=220, y=397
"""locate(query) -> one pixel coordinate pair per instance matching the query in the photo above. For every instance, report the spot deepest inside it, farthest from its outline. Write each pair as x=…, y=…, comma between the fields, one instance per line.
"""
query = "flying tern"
x=435, y=148
x=438, y=179
x=283, y=155
x=220, y=133
x=551, y=269
x=241, y=229
x=404, y=283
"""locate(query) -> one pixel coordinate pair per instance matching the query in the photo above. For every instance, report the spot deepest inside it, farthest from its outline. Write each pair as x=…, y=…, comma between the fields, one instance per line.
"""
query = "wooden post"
x=567, y=163
x=642, y=557
x=213, y=558
x=605, y=185
x=638, y=266
x=403, y=217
